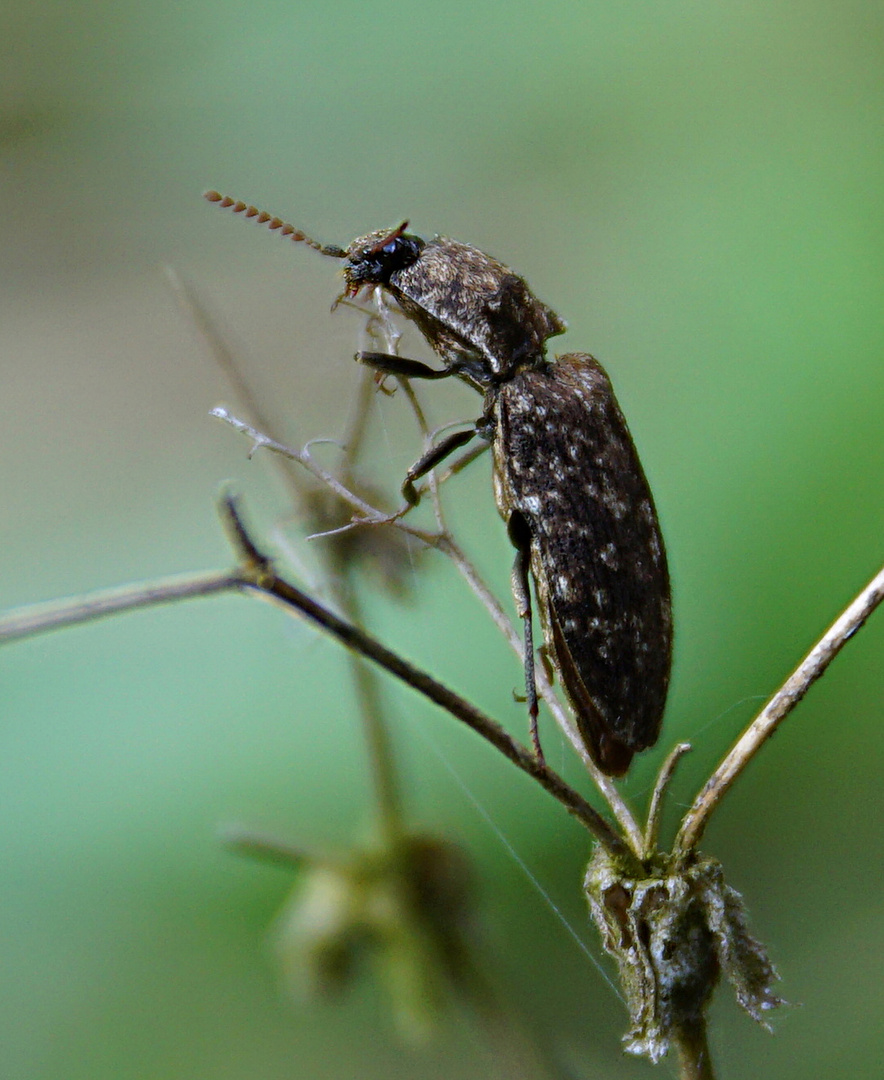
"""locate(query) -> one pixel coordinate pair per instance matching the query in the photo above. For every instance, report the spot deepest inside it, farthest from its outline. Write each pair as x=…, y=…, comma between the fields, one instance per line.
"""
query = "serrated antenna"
x=261, y=217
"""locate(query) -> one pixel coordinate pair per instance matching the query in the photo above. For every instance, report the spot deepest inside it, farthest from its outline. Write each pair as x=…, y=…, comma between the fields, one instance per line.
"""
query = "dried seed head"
x=673, y=934
x=408, y=910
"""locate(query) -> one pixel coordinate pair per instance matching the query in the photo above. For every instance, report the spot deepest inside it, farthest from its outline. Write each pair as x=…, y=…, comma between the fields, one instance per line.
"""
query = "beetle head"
x=373, y=259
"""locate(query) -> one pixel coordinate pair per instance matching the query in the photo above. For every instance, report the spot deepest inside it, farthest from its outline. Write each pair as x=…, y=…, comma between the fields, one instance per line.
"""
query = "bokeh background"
x=697, y=189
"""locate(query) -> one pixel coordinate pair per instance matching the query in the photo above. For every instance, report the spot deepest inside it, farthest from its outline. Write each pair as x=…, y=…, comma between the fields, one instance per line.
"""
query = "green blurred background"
x=697, y=188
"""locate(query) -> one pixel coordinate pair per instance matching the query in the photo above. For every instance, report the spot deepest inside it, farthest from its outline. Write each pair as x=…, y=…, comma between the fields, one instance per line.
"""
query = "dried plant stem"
x=692, y=1047
x=258, y=574
x=502, y=621
x=381, y=759
x=221, y=352
x=367, y=689
x=368, y=514
x=775, y=711
x=263, y=846
x=444, y=542
x=655, y=808
x=96, y=605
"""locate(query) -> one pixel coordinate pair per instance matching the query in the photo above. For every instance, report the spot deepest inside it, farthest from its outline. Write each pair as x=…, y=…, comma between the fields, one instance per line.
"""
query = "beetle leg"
x=430, y=460
x=414, y=369
x=399, y=365
x=548, y=661
x=521, y=538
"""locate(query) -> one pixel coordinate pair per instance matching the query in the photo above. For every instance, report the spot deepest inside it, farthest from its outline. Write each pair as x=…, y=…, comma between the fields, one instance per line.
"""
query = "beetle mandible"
x=567, y=477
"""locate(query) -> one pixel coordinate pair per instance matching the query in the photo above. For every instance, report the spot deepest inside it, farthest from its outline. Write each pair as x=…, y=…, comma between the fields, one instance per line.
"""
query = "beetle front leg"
x=388, y=364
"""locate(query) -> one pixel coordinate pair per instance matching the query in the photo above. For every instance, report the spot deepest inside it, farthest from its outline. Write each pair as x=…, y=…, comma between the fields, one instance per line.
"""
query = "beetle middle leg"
x=414, y=369
x=430, y=460
x=520, y=536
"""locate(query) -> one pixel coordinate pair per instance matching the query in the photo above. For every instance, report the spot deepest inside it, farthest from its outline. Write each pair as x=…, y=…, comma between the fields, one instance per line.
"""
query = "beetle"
x=568, y=481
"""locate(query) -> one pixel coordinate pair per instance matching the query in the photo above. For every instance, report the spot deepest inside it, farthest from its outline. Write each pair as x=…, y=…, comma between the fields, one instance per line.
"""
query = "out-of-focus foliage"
x=696, y=188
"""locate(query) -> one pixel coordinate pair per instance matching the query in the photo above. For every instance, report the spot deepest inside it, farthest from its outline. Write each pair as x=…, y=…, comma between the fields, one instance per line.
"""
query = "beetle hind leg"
x=521, y=539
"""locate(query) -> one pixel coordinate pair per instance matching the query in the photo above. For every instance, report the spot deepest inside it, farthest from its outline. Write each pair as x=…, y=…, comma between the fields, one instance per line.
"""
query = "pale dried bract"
x=674, y=933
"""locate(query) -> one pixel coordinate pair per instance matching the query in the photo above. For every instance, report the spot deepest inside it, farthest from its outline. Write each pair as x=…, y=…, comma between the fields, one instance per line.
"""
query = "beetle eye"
x=375, y=263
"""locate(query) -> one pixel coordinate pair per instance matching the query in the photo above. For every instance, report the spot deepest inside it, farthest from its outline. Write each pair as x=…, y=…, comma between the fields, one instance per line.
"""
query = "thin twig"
x=356, y=427
x=619, y=808
x=655, y=809
x=775, y=711
x=245, y=841
x=196, y=310
x=206, y=325
x=258, y=576
x=267, y=583
x=38, y=618
x=370, y=515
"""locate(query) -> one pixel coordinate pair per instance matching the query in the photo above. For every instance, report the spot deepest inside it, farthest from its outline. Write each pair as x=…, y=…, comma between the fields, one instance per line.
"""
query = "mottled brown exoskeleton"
x=567, y=477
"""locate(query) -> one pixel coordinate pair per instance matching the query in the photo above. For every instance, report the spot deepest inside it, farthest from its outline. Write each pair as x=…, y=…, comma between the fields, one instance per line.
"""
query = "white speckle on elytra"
x=565, y=586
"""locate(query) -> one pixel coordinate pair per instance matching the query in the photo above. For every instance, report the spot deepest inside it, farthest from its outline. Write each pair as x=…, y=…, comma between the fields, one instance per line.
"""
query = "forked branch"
x=38, y=618
x=258, y=574
x=775, y=711
x=255, y=573
x=368, y=516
